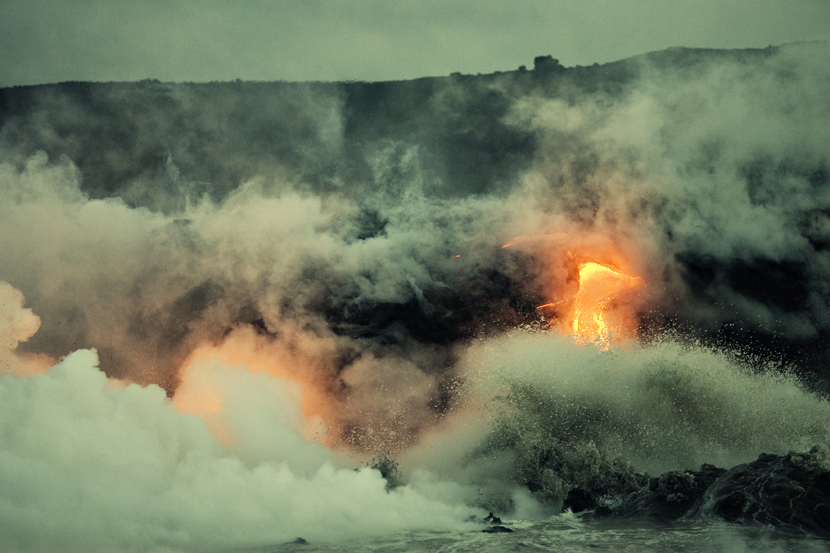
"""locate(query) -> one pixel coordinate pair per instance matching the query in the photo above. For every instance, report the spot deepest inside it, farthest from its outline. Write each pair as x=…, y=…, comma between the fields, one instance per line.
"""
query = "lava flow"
x=602, y=309
x=596, y=317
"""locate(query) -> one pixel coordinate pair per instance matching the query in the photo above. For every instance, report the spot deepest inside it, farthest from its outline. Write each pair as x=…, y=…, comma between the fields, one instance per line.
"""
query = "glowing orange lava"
x=592, y=298
x=593, y=318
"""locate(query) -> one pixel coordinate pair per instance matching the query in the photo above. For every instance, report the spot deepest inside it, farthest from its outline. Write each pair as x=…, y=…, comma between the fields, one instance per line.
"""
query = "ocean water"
x=569, y=534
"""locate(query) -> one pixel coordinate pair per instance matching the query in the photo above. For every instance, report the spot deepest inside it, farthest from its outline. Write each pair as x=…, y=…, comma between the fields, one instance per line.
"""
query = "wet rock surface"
x=790, y=491
x=671, y=495
x=492, y=519
x=495, y=525
x=497, y=529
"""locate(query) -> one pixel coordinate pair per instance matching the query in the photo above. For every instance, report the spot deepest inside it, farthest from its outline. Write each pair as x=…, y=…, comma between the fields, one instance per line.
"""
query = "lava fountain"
x=596, y=316
x=596, y=298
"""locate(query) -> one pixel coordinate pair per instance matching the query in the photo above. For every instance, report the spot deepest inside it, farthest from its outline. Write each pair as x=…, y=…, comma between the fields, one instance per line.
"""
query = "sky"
x=45, y=41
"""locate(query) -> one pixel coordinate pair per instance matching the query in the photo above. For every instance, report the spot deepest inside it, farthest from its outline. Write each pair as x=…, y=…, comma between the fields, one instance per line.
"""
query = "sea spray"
x=567, y=416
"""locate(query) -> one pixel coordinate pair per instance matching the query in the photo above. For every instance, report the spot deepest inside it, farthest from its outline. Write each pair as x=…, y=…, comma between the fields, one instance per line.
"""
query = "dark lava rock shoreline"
x=791, y=492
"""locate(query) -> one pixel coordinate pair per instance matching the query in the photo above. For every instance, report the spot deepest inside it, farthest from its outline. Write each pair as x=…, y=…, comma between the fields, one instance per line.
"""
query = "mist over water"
x=655, y=409
x=246, y=291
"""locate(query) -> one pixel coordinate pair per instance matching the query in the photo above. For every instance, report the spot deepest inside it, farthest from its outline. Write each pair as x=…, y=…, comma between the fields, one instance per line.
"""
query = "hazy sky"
x=44, y=41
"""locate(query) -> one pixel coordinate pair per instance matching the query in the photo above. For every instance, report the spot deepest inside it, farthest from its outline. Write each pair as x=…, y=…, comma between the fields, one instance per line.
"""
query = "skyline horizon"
x=45, y=42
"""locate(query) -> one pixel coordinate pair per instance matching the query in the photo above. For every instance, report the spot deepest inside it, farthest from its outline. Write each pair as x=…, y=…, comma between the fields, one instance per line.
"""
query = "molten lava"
x=592, y=318
x=602, y=309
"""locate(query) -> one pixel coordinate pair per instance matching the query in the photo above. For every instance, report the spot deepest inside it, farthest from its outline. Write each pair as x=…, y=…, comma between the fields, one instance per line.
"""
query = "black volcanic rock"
x=791, y=492
x=492, y=519
x=497, y=530
x=671, y=495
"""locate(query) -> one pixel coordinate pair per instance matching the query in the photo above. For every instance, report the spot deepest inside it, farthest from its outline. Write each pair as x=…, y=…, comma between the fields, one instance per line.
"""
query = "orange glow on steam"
x=299, y=362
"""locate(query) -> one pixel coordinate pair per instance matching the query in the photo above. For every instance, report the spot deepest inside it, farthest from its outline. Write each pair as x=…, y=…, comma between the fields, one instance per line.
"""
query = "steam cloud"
x=345, y=242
